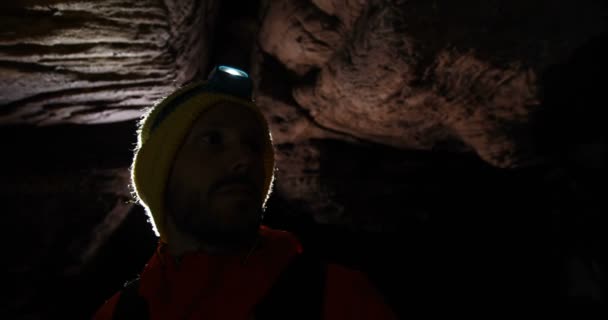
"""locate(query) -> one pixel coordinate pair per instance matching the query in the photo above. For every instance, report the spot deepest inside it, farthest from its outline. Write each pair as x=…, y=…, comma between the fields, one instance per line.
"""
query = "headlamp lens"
x=233, y=71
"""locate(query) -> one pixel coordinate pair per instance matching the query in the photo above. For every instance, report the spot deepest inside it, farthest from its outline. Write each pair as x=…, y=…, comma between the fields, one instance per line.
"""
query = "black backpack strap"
x=130, y=304
x=299, y=293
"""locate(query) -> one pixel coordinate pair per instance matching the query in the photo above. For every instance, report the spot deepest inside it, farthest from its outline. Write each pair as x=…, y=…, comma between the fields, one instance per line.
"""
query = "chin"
x=237, y=209
x=228, y=235
x=226, y=220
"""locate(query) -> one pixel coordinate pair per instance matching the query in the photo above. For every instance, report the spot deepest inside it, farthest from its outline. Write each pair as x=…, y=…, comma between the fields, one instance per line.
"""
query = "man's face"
x=214, y=191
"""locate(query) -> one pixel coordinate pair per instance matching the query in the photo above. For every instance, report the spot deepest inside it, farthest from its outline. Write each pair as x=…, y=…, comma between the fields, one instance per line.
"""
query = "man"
x=203, y=170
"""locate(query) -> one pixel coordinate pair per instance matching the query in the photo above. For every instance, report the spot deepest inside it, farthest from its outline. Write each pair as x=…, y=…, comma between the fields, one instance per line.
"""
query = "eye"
x=212, y=138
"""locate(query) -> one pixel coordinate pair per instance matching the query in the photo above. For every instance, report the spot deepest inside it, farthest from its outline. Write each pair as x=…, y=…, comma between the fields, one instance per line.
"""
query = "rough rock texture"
x=64, y=191
x=433, y=144
x=97, y=61
x=415, y=74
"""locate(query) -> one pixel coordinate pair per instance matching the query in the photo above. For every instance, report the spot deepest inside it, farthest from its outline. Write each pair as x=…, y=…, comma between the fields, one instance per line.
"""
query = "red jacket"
x=204, y=286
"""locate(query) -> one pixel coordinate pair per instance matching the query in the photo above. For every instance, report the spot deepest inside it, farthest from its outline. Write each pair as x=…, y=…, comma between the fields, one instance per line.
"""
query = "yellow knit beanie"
x=160, y=135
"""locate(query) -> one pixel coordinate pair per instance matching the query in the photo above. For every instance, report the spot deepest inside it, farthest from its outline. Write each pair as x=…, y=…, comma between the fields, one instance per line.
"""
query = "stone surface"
x=417, y=75
x=64, y=191
x=97, y=61
x=433, y=144
x=412, y=75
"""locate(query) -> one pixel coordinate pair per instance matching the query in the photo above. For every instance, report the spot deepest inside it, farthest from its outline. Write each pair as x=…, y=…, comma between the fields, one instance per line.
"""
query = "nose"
x=241, y=159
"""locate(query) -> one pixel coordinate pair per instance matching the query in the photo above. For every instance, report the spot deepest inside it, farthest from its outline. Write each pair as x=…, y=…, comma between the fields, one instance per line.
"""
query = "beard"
x=229, y=227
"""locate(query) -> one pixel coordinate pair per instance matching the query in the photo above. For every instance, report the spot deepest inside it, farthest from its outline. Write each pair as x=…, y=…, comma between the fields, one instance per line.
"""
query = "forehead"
x=228, y=115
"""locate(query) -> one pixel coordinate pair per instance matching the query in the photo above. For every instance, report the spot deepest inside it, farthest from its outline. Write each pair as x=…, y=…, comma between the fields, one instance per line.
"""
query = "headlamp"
x=230, y=81
x=222, y=79
x=233, y=71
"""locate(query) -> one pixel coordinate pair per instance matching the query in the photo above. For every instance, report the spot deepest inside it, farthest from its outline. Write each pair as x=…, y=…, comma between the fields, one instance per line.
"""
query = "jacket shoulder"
x=282, y=238
x=106, y=311
x=351, y=295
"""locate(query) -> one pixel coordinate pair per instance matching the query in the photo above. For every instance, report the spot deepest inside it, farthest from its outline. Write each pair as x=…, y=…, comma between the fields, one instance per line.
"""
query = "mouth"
x=235, y=188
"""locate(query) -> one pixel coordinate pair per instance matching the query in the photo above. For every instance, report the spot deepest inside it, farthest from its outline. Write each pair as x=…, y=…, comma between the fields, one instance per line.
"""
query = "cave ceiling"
x=462, y=77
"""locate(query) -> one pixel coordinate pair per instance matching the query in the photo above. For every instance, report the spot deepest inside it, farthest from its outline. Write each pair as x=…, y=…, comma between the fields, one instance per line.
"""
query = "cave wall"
x=97, y=61
x=454, y=151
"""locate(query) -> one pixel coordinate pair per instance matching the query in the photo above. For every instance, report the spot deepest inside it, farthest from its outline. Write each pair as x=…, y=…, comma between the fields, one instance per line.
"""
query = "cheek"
x=190, y=183
x=261, y=176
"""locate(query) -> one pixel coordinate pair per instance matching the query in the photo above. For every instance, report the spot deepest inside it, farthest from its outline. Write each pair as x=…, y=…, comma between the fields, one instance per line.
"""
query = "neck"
x=182, y=243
